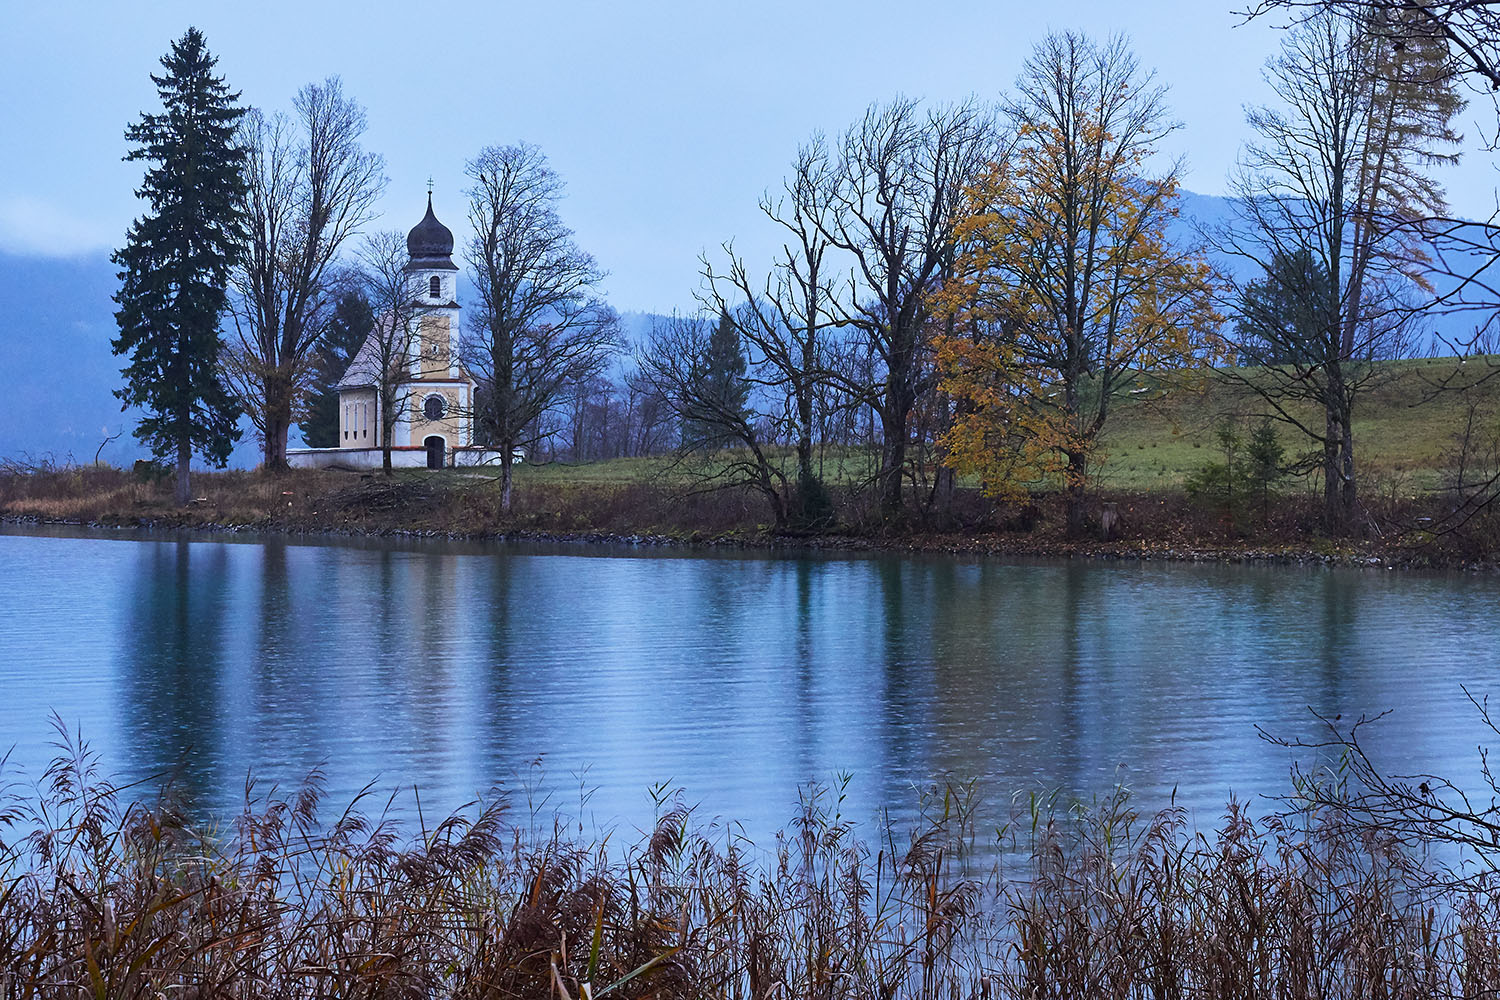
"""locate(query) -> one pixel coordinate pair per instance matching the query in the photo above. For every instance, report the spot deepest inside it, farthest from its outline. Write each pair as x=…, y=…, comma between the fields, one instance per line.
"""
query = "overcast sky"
x=666, y=120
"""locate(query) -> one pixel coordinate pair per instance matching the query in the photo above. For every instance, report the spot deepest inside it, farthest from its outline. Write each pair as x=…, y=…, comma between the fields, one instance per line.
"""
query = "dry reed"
x=104, y=897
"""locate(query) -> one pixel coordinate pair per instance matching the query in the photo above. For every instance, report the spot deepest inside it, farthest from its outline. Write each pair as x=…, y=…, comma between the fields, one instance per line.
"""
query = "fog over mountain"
x=57, y=372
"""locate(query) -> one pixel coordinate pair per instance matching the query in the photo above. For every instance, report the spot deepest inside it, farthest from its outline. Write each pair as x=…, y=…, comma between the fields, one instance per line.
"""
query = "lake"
x=454, y=667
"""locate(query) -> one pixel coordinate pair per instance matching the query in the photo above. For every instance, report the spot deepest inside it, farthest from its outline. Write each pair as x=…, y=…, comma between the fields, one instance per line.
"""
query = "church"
x=434, y=428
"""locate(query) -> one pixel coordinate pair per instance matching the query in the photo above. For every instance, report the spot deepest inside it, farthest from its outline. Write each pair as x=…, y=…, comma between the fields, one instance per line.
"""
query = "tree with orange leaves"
x=1067, y=285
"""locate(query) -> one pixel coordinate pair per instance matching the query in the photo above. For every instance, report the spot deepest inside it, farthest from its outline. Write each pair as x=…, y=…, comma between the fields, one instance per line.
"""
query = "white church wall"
x=401, y=458
x=359, y=421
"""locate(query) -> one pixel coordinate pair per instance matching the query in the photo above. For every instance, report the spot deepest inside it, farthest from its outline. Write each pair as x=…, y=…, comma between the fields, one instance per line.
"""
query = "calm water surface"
x=452, y=667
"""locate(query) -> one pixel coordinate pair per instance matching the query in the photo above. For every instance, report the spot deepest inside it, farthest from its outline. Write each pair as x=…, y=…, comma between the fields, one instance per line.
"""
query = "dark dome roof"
x=429, y=238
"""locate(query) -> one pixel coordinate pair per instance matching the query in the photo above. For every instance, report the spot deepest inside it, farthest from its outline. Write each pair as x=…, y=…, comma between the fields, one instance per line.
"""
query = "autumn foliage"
x=1067, y=283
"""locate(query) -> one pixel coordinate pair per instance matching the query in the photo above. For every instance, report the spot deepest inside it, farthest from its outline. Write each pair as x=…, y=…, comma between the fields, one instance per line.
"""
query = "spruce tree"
x=726, y=391
x=1264, y=455
x=345, y=334
x=176, y=262
x=1282, y=315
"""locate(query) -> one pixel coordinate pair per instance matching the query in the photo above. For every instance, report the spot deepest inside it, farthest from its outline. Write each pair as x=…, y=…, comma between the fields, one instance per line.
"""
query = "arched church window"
x=434, y=407
x=434, y=286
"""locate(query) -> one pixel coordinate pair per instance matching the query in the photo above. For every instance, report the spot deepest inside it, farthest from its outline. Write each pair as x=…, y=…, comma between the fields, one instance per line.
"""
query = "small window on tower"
x=434, y=287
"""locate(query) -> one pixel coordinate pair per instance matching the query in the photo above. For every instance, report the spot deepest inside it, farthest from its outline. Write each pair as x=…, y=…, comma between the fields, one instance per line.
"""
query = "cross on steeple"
x=429, y=186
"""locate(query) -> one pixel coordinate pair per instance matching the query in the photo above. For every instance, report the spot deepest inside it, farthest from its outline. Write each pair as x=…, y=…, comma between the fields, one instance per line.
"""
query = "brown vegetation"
x=1423, y=530
x=107, y=898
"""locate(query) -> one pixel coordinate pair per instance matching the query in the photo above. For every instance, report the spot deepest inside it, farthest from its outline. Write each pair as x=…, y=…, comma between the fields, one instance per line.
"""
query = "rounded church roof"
x=430, y=240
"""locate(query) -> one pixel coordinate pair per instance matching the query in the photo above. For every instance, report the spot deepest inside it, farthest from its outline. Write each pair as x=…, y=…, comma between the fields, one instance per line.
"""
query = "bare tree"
x=650, y=420
x=785, y=317
x=311, y=187
x=541, y=327
x=673, y=367
x=1420, y=811
x=891, y=198
x=1470, y=28
x=1336, y=179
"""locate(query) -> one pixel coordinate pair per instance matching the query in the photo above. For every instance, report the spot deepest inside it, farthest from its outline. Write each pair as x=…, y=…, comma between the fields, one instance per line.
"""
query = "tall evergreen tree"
x=723, y=374
x=344, y=334
x=176, y=262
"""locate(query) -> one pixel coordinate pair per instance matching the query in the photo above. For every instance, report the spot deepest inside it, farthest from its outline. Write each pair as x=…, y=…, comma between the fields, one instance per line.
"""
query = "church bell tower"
x=433, y=278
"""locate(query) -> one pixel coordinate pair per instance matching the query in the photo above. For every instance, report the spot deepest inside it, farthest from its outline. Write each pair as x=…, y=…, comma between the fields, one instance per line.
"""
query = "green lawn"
x=1404, y=427
x=1404, y=430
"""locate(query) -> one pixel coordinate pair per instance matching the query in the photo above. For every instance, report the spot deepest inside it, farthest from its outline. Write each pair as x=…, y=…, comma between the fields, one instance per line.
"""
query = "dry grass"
x=1401, y=524
x=107, y=899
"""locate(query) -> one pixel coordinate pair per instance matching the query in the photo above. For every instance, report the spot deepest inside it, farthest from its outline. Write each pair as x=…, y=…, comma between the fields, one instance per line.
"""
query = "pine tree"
x=347, y=328
x=727, y=392
x=1282, y=315
x=176, y=262
x=1264, y=455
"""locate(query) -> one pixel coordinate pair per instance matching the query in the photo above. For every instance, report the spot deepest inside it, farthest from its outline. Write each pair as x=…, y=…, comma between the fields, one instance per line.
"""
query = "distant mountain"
x=57, y=372
x=1208, y=214
x=56, y=368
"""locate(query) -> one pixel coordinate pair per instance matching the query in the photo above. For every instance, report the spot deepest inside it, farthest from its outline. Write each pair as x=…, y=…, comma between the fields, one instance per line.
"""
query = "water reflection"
x=172, y=673
x=451, y=667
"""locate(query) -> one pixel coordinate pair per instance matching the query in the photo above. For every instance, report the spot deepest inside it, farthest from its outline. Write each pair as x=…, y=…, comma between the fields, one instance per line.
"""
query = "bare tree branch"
x=312, y=187
x=541, y=328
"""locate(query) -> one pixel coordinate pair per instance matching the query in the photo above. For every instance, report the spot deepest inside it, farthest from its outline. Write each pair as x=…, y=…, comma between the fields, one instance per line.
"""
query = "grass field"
x=1405, y=426
x=1406, y=429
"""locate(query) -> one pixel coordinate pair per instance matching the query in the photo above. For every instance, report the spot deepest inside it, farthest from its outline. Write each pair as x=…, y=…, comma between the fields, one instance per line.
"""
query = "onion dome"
x=430, y=243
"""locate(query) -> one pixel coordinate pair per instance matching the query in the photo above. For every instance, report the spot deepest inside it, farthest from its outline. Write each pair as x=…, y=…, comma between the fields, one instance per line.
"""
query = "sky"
x=666, y=121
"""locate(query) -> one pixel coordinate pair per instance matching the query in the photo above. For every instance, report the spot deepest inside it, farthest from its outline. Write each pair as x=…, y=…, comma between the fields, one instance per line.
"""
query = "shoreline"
x=1152, y=526
x=985, y=545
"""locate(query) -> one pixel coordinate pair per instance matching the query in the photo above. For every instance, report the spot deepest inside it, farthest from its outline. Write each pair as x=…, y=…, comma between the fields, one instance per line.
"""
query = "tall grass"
x=106, y=895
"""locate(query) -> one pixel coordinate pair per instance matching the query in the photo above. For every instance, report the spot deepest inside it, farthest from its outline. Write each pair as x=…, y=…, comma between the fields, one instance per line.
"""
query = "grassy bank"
x=1159, y=435
x=103, y=897
x=553, y=504
x=1165, y=524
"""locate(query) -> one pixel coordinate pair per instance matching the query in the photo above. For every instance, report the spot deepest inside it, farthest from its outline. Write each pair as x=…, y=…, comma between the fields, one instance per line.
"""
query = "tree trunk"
x=184, y=491
x=1333, y=519
x=1075, y=479
x=1348, y=496
x=506, y=457
x=384, y=416
x=945, y=480
x=893, y=416
x=278, y=425
x=804, y=433
x=892, y=465
x=778, y=503
x=943, y=489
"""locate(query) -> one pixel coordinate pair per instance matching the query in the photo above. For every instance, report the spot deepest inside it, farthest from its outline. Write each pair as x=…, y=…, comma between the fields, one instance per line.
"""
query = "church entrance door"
x=436, y=447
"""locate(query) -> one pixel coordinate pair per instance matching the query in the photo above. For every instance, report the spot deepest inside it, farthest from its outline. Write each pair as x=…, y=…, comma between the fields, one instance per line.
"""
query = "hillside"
x=56, y=368
x=1160, y=432
x=1406, y=428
